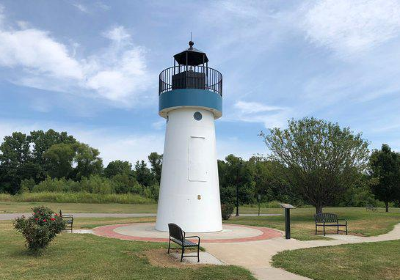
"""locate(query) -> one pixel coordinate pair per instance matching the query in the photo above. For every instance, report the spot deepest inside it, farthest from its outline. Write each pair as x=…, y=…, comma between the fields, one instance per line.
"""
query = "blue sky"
x=91, y=68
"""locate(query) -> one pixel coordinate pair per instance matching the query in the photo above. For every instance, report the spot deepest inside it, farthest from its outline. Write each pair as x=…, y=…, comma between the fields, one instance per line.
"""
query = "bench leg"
x=346, y=229
x=337, y=230
x=198, y=253
x=324, y=230
x=169, y=245
x=316, y=229
x=183, y=250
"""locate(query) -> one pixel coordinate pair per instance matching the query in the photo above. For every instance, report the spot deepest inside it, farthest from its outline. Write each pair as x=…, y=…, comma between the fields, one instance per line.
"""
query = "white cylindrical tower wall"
x=189, y=190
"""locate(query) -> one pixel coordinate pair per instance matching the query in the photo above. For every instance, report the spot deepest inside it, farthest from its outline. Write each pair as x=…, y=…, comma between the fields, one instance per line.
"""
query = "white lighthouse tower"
x=190, y=98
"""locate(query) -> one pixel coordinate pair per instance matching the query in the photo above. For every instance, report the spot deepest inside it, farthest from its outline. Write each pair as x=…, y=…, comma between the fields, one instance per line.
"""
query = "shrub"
x=27, y=185
x=226, y=211
x=39, y=229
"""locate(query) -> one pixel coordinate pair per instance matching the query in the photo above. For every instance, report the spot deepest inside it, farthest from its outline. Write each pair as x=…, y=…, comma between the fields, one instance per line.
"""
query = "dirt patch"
x=160, y=258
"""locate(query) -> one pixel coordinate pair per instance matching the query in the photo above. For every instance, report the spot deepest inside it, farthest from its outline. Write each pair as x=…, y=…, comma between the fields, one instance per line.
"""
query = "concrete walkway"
x=12, y=216
x=256, y=256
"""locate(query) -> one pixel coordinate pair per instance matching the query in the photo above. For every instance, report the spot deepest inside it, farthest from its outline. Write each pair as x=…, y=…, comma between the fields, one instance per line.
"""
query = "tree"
x=59, y=159
x=385, y=170
x=40, y=142
x=23, y=157
x=318, y=158
x=156, y=165
x=15, y=161
x=87, y=161
x=118, y=167
x=268, y=182
x=143, y=174
x=236, y=180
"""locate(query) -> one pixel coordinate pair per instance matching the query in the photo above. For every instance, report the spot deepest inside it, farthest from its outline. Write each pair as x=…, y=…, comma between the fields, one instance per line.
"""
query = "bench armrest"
x=193, y=236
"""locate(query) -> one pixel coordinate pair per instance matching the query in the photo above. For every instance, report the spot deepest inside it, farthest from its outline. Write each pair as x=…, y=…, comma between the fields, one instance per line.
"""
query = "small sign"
x=287, y=206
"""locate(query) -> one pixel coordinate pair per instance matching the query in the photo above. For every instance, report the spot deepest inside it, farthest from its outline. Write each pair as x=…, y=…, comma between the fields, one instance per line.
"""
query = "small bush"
x=27, y=185
x=39, y=229
x=226, y=211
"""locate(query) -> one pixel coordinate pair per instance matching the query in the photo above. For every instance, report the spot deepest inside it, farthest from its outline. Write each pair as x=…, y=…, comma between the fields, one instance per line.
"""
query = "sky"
x=91, y=68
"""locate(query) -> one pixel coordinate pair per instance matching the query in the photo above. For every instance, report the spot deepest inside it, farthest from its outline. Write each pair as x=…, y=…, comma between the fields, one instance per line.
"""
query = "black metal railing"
x=194, y=77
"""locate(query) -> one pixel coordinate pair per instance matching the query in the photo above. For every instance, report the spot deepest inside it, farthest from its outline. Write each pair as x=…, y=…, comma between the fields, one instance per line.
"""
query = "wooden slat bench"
x=329, y=220
x=178, y=236
x=69, y=220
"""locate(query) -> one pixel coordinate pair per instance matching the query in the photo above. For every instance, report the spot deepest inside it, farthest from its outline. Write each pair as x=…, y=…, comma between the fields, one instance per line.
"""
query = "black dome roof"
x=194, y=56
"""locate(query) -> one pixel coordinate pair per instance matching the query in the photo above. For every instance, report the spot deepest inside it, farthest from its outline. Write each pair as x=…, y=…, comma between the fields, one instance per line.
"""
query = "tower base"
x=189, y=190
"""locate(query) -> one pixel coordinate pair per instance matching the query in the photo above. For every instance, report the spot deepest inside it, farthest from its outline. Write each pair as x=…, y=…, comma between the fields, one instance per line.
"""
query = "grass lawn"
x=79, y=256
x=360, y=221
x=23, y=207
x=368, y=261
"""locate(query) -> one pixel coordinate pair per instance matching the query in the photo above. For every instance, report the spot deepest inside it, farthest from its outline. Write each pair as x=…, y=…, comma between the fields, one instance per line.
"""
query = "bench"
x=370, y=207
x=69, y=220
x=329, y=220
x=178, y=236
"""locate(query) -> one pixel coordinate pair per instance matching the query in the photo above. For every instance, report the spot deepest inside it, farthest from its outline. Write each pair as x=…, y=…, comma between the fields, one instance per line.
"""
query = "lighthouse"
x=190, y=99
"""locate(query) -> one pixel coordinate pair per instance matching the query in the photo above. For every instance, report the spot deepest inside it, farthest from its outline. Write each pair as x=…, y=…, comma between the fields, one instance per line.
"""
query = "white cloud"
x=158, y=125
x=102, y=6
x=255, y=107
x=81, y=8
x=36, y=50
x=116, y=73
x=117, y=34
x=270, y=116
x=352, y=26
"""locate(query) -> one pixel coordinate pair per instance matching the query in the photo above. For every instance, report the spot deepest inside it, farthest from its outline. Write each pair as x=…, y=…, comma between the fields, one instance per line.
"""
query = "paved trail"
x=257, y=255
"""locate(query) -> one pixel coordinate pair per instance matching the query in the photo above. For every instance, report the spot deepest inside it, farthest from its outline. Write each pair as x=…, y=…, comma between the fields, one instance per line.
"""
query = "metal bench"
x=370, y=207
x=69, y=220
x=329, y=220
x=178, y=236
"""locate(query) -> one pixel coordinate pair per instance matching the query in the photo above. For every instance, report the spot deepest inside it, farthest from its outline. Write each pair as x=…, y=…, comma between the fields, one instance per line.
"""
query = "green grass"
x=360, y=221
x=80, y=197
x=78, y=256
x=367, y=261
x=23, y=207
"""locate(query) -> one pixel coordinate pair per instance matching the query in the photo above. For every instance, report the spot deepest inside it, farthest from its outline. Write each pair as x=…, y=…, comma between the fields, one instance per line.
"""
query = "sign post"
x=287, y=218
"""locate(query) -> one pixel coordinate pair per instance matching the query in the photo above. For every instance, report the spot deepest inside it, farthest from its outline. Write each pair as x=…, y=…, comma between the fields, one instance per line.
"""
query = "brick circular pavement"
x=141, y=232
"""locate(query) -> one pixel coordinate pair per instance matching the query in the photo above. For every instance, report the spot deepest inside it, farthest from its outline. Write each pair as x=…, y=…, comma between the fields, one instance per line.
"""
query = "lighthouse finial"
x=191, y=43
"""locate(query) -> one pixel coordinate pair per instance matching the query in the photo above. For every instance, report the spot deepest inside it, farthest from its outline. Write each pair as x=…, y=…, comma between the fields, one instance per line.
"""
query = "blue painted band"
x=191, y=98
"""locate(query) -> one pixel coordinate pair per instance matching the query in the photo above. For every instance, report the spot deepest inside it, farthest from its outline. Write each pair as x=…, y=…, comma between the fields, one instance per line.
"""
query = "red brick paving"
x=108, y=231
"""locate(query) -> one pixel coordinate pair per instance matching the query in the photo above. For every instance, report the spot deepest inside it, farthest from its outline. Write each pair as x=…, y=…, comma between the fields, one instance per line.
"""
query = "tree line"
x=310, y=162
x=55, y=161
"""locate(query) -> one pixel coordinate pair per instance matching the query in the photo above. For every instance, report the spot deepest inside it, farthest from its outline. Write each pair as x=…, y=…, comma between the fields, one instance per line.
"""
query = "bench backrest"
x=176, y=232
x=325, y=217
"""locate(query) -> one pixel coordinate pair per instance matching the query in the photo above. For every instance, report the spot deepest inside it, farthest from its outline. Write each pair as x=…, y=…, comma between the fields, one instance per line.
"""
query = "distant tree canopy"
x=22, y=156
x=318, y=158
x=118, y=167
x=156, y=165
x=28, y=160
x=385, y=170
x=235, y=172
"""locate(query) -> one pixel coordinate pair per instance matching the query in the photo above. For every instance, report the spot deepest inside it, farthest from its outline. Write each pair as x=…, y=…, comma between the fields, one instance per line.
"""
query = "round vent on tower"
x=198, y=116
